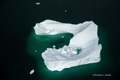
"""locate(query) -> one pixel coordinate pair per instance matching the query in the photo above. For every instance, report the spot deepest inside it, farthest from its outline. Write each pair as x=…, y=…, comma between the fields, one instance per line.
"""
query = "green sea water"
x=39, y=43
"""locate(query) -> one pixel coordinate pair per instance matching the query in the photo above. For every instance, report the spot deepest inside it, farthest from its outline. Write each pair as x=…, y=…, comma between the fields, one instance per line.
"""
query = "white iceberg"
x=82, y=49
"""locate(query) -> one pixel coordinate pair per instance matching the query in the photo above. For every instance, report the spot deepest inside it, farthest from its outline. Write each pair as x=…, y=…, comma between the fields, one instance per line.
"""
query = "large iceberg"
x=82, y=49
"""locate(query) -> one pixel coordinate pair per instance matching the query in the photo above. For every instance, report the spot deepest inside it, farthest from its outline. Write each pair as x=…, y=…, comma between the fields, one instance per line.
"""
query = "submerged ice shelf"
x=82, y=49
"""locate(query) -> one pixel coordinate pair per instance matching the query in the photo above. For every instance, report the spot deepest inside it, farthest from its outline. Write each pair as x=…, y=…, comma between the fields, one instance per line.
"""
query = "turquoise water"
x=39, y=43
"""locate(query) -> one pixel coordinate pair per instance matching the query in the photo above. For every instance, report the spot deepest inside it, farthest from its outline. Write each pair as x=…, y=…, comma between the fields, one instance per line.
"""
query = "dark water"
x=17, y=19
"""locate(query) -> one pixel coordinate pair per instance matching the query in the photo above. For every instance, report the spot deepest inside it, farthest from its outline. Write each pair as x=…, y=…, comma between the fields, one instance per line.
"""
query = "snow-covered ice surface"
x=82, y=49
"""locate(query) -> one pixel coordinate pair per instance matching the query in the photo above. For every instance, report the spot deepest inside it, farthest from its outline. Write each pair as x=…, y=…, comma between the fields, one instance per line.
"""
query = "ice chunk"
x=54, y=46
x=62, y=36
x=65, y=10
x=35, y=50
x=82, y=49
x=32, y=71
x=37, y=3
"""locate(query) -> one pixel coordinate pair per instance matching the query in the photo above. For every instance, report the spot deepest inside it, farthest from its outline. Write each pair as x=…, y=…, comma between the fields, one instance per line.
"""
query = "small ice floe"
x=62, y=36
x=54, y=46
x=32, y=71
x=37, y=3
x=65, y=10
x=35, y=50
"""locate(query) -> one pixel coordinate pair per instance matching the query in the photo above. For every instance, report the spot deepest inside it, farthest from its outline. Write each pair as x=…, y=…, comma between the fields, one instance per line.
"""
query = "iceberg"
x=82, y=49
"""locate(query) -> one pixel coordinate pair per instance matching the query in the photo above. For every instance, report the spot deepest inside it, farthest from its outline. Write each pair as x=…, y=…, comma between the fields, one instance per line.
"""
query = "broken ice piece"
x=32, y=71
x=62, y=36
x=35, y=50
x=54, y=46
x=37, y=3
x=65, y=10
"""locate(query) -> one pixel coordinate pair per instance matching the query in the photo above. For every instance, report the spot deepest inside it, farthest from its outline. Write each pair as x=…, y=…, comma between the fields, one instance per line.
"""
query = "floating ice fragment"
x=62, y=36
x=54, y=46
x=82, y=49
x=32, y=71
x=35, y=50
x=37, y=3
x=65, y=10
